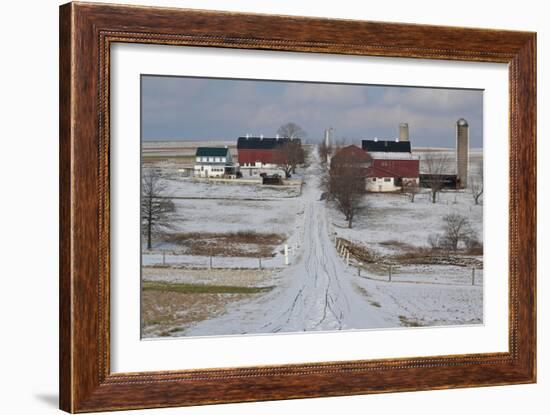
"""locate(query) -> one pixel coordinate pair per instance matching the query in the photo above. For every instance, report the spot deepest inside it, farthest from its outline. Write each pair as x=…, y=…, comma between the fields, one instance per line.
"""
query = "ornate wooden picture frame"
x=87, y=32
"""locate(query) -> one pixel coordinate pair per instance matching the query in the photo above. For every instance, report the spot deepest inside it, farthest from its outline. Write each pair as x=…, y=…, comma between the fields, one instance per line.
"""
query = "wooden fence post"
x=163, y=258
x=389, y=273
x=286, y=254
x=473, y=276
x=260, y=262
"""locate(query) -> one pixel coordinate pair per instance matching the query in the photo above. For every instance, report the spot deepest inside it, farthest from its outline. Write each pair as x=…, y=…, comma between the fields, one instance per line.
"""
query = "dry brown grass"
x=233, y=244
x=409, y=322
x=392, y=243
x=213, y=276
x=360, y=252
x=425, y=256
x=414, y=255
x=477, y=250
x=165, y=313
x=168, y=309
x=174, y=300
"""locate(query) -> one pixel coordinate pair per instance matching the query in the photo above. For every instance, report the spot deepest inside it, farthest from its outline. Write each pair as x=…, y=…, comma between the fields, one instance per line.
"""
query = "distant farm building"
x=214, y=162
x=261, y=152
x=444, y=181
x=391, y=165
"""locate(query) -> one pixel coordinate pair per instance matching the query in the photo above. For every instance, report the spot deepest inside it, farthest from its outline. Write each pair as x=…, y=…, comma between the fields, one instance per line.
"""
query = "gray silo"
x=328, y=137
x=403, y=131
x=462, y=144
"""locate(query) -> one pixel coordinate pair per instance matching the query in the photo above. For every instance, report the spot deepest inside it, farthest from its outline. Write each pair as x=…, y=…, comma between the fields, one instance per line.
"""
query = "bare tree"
x=476, y=184
x=289, y=156
x=155, y=209
x=457, y=229
x=411, y=189
x=291, y=130
x=436, y=165
x=346, y=185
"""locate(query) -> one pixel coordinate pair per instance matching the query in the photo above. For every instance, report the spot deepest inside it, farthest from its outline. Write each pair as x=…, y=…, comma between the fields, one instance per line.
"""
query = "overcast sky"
x=222, y=109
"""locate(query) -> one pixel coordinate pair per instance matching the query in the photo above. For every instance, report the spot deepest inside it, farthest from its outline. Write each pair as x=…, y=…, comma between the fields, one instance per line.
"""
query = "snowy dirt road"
x=315, y=292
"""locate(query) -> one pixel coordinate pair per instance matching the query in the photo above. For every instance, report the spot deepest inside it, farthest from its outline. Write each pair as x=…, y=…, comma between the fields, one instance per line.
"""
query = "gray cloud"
x=202, y=108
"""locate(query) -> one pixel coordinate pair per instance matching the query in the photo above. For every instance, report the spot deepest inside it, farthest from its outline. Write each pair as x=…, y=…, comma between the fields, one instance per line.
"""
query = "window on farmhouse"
x=387, y=179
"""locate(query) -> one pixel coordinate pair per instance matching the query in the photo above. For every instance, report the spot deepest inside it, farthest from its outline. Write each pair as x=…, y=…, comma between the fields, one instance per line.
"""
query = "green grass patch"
x=186, y=288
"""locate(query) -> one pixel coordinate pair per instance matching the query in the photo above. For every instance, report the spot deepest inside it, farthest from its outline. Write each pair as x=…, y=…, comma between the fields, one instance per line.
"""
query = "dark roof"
x=264, y=143
x=388, y=146
x=212, y=151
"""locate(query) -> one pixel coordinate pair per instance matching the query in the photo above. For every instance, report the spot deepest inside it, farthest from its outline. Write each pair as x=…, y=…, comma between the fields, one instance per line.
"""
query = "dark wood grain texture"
x=86, y=33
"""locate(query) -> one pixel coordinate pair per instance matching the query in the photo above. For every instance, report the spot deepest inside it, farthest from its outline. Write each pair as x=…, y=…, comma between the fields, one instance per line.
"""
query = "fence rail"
x=411, y=273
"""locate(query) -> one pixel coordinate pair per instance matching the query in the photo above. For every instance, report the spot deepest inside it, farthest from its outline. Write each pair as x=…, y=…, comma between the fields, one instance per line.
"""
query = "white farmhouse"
x=214, y=162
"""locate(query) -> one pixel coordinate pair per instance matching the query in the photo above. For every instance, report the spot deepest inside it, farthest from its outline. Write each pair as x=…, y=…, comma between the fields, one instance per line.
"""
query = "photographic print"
x=285, y=207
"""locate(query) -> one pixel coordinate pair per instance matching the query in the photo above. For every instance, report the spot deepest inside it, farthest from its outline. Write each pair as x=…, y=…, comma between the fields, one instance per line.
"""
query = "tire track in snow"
x=316, y=292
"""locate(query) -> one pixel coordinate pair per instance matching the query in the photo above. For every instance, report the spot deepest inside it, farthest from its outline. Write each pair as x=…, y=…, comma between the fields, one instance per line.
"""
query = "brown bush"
x=235, y=244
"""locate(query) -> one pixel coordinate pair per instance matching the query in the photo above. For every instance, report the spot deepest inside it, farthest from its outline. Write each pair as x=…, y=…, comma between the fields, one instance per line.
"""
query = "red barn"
x=261, y=152
x=392, y=164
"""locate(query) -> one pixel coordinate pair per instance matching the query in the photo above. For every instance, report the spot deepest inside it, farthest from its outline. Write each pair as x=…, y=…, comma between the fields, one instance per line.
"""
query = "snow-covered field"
x=318, y=290
x=392, y=221
x=189, y=188
x=427, y=304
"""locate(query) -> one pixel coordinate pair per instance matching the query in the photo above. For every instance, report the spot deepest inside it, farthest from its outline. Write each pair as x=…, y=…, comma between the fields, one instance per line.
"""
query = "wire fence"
x=171, y=258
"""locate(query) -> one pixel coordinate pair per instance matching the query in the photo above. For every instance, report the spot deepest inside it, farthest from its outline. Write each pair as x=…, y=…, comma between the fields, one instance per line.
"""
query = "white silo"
x=403, y=131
